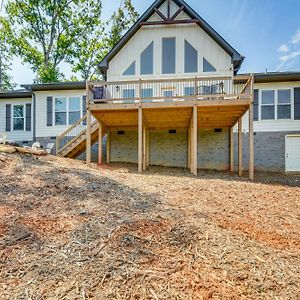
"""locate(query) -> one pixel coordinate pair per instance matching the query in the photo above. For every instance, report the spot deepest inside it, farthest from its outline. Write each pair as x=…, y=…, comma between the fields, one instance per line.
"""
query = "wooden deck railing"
x=72, y=133
x=161, y=90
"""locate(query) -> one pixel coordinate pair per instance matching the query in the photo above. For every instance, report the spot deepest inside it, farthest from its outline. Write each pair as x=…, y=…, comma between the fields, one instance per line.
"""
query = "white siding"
x=42, y=130
x=18, y=136
x=274, y=125
x=205, y=46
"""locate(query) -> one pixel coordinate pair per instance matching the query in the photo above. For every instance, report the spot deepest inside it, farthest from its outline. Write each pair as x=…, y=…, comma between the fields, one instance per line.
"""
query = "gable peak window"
x=130, y=70
x=207, y=66
x=190, y=58
x=147, y=60
x=168, y=55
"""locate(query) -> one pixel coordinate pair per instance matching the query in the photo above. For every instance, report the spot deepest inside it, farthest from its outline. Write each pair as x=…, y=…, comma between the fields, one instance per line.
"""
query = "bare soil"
x=72, y=232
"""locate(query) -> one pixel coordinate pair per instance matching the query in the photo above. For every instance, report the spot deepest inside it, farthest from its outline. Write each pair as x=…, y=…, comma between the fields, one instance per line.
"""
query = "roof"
x=276, y=77
x=15, y=94
x=67, y=85
x=237, y=58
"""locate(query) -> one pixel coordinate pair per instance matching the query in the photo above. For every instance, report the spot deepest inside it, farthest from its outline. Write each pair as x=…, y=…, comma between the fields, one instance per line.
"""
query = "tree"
x=98, y=40
x=5, y=62
x=43, y=32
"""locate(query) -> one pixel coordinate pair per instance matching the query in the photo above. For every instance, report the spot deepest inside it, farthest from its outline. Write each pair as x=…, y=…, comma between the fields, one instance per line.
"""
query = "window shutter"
x=255, y=105
x=297, y=104
x=8, y=117
x=49, y=111
x=28, y=117
x=84, y=108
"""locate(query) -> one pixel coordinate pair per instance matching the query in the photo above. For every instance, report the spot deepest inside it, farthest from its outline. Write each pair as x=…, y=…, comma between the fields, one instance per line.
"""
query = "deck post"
x=231, y=150
x=194, y=138
x=251, y=143
x=100, y=144
x=240, y=146
x=189, y=148
x=88, y=138
x=108, y=146
x=147, y=148
x=140, y=140
x=144, y=148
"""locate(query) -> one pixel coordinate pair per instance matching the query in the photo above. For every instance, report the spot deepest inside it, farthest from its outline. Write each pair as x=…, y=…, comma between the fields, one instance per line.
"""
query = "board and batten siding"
x=42, y=130
x=279, y=125
x=199, y=39
x=19, y=135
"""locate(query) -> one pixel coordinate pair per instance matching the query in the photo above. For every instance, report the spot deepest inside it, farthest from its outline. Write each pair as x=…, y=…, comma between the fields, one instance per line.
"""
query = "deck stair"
x=72, y=142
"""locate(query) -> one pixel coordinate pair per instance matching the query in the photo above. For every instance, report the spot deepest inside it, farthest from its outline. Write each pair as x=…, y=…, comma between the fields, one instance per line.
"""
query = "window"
x=168, y=93
x=130, y=70
x=18, y=117
x=284, y=104
x=189, y=91
x=74, y=109
x=190, y=58
x=207, y=66
x=128, y=94
x=168, y=55
x=147, y=94
x=61, y=111
x=147, y=60
x=268, y=105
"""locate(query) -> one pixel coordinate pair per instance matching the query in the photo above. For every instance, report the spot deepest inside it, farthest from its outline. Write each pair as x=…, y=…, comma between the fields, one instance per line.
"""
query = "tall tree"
x=43, y=32
x=5, y=62
x=91, y=47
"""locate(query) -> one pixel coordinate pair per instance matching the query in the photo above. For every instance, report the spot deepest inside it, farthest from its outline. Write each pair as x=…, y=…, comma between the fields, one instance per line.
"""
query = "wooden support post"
x=240, y=146
x=144, y=148
x=231, y=150
x=147, y=148
x=189, y=148
x=251, y=143
x=108, y=146
x=140, y=140
x=194, y=138
x=100, y=160
x=88, y=138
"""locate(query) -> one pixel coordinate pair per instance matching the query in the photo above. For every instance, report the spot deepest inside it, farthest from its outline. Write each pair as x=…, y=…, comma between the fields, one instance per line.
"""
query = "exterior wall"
x=167, y=149
x=274, y=125
x=269, y=151
x=171, y=150
x=213, y=149
x=205, y=46
x=123, y=147
x=17, y=136
x=42, y=130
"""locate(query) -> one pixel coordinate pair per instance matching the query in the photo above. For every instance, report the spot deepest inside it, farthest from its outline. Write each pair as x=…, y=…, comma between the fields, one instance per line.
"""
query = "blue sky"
x=266, y=32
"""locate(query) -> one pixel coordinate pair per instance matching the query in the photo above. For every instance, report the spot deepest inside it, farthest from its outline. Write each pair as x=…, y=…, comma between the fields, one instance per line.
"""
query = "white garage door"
x=292, y=154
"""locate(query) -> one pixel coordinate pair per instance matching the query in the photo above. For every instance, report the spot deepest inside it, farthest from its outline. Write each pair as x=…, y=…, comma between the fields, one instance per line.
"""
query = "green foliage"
x=5, y=62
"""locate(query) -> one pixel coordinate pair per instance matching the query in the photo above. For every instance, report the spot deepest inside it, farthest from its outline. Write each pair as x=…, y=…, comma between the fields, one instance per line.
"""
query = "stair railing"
x=73, y=133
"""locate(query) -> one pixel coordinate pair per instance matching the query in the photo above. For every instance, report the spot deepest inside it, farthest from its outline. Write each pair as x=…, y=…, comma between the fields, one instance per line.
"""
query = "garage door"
x=292, y=154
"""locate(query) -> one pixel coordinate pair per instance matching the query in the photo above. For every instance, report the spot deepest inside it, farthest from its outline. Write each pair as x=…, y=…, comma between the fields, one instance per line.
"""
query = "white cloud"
x=289, y=56
x=296, y=37
x=283, y=48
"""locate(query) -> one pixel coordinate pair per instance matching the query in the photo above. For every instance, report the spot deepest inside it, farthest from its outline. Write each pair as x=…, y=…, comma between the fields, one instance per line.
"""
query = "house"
x=172, y=97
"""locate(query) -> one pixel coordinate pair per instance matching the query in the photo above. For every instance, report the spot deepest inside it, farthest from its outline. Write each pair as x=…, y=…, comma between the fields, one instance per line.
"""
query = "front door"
x=292, y=154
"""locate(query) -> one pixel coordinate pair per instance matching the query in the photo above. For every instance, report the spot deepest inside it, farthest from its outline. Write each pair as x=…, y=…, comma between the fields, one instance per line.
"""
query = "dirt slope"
x=69, y=232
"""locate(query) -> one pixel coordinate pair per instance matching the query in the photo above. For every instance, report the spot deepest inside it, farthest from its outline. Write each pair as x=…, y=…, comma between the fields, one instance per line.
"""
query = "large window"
x=190, y=58
x=130, y=70
x=128, y=94
x=18, y=117
x=284, y=104
x=67, y=110
x=61, y=111
x=147, y=60
x=268, y=105
x=168, y=56
x=74, y=109
x=147, y=94
x=207, y=66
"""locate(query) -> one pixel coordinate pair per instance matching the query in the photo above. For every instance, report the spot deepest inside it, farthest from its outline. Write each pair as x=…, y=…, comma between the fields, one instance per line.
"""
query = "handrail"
x=71, y=134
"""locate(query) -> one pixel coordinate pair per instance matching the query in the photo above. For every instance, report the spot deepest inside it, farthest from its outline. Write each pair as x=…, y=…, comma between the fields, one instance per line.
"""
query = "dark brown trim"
x=170, y=22
x=160, y=14
x=177, y=12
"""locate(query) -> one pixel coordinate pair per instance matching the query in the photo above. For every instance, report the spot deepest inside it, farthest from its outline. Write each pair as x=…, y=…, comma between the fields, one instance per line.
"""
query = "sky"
x=266, y=32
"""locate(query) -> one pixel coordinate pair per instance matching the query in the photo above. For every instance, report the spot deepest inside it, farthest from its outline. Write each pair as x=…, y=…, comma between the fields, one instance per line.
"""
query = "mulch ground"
x=72, y=232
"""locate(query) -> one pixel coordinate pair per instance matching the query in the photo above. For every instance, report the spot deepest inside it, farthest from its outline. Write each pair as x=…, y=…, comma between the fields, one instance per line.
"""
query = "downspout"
x=34, y=117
